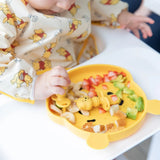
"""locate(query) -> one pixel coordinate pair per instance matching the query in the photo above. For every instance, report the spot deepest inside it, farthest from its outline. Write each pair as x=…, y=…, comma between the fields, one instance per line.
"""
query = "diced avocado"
x=128, y=91
x=119, y=85
x=133, y=97
x=117, y=79
x=132, y=113
x=119, y=93
x=120, y=78
x=139, y=104
x=123, y=79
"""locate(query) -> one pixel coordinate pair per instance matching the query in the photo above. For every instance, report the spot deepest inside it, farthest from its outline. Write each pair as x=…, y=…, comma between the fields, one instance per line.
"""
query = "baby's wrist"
x=123, y=18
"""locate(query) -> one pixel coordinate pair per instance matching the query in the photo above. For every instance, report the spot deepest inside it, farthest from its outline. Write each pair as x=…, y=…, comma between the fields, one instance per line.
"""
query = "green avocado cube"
x=133, y=97
x=120, y=78
x=119, y=93
x=117, y=79
x=119, y=85
x=132, y=113
x=126, y=90
x=139, y=104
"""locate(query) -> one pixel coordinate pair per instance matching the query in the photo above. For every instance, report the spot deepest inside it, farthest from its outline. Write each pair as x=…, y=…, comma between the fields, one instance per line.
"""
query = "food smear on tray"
x=99, y=104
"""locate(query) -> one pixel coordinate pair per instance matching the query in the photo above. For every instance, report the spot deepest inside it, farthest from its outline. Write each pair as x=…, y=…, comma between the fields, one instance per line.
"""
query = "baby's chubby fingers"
x=59, y=76
x=51, y=82
x=56, y=90
x=59, y=81
x=136, y=33
x=59, y=71
x=145, y=19
x=146, y=30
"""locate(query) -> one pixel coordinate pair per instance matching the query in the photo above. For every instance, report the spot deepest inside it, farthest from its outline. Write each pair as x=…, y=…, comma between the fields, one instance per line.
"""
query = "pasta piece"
x=85, y=113
x=55, y=109
x=73, y=108
x=69, y=116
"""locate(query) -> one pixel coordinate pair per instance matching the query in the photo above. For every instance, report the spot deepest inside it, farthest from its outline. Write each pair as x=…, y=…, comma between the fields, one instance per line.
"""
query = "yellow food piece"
x=105, y=103
x=95, y=101
x=86, y=103
x=61, y=100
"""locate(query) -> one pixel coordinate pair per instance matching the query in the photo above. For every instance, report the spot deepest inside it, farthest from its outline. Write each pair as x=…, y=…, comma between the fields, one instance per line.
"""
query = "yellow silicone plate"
x=101, y=140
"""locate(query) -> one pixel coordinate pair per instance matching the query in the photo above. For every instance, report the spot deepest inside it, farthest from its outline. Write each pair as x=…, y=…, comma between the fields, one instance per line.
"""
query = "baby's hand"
x=136, y=23
x=51, y=82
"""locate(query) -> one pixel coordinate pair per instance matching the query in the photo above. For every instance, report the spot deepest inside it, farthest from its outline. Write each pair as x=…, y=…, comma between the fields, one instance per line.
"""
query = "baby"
x=39, y=38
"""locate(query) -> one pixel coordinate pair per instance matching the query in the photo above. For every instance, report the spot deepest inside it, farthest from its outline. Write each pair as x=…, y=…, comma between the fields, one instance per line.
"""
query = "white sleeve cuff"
x=33, y=88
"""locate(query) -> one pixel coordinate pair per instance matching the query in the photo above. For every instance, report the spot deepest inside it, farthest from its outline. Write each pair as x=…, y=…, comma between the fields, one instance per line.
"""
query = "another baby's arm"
x=106, y=11
x=136, y=23
x=51, y=82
